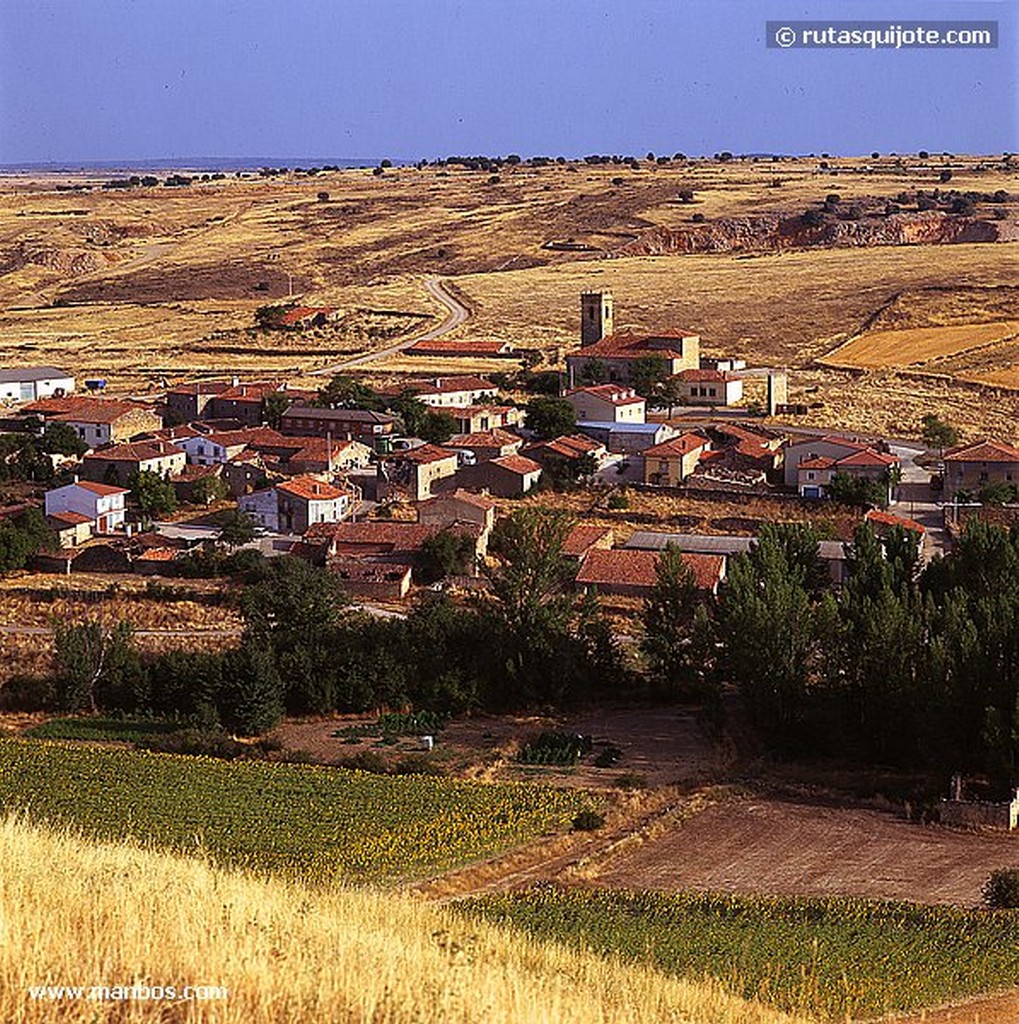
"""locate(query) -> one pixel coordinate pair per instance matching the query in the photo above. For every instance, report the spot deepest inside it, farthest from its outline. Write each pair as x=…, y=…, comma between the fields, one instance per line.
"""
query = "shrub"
x=631, y=780
x=588, y=821
x=198, y=742
x=366, y=761
x=417, y=764
x=1001, y=890
x=555, y=748
x=608, y=757
x=618, y=501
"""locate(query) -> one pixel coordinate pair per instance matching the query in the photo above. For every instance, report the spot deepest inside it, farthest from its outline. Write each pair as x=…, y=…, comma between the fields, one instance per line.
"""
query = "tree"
x=291, y=614
x=446, y=553
x=647, y=372
x=667, y=619
x=21, y=539
x=153, y=495
x=411, y=410
x=344, y=392
x=61, y=439
x=208, y=489
x=550, y=417
x=91, y=655
x=250, y=701
x=274, y=405
x=270, y=317
x=667, y=394
x=438, y=426
x=236, y=528
x=859, y=490
x=936, y=433
x=997, y=492
x=593, y=371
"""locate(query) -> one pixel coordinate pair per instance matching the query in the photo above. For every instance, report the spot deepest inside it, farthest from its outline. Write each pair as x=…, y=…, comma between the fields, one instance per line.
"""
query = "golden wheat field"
x=74, y=913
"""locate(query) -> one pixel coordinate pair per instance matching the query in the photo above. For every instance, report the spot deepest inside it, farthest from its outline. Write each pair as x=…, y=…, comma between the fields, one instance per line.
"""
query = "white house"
x=294, y=505
x=814, y=448
x=710, y=387
x=607, y=403
x=449, y=392
x=27, y=383
x=102, y=503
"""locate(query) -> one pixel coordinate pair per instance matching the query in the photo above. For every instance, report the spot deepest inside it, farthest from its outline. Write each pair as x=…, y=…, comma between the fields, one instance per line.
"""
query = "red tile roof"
x=442, y=385
x=137, y=451
x=582, y=537
x=495, y=438
x=248, y=392
x=983, y=451
x=468, y=497
x=570, y=446
x=71, y=518
x=373, y=537
x=610, y=393
x=310, y=489
x=820, y=462
x=157, y=555
x=424, y=454
x=518, y=464
x=299, y=313
x=868, y=457
x=627, y=345
x=103, y=490
x=82, y=409
x=876, y=515
x=676, y=446
x=639, y=568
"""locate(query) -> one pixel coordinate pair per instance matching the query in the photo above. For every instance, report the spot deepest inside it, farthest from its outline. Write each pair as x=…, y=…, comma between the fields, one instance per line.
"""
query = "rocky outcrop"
x=774, y=232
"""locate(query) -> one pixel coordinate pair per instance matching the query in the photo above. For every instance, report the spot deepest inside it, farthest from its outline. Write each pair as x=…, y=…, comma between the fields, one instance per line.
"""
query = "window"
x=810, y=475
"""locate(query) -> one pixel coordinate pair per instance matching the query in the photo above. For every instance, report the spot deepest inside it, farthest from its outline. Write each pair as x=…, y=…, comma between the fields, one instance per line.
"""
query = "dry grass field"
x=119, y=915
x=150, y=285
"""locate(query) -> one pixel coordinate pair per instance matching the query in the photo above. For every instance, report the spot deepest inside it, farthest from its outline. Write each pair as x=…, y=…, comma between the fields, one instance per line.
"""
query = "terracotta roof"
x=459, y=348
x=310, y=489
x=484, y=439
x=442, y=385
x=682, y=445
x=201, y=387
x=299, y=313
x=82, y=409
x=317, y=449
x=626, y=344
x=254, y=437
x=638, y=568
x=373, y=537
x=819, y=462
x=571, y=446
x=102, y=490
x=137, y=451
x=703, y=375
x=468, y=497
x=368, y=572
x=610, y=393
x=71, y=518
x=876, y=515
x=248, y=392
x=518, y=464
x=190, y=473
x=868, y=457
x=983, y=451
x=313, y=412
x=425, y=453
x=582, y=537
x=157, y=555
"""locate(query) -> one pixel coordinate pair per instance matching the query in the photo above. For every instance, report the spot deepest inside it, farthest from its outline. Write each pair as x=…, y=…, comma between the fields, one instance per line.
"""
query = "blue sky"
x=149, y=79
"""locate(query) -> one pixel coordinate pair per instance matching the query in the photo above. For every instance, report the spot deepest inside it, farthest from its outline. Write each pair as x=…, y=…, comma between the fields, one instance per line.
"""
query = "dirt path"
x=997, y=1009
x=458, y=313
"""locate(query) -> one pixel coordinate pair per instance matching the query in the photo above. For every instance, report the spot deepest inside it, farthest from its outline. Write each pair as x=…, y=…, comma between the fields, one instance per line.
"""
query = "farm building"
x=668, y=464
x=629, y=572
x=28, y=383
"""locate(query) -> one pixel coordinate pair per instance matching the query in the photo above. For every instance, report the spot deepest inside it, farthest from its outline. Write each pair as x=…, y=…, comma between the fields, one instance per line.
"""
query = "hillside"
x=78, y=914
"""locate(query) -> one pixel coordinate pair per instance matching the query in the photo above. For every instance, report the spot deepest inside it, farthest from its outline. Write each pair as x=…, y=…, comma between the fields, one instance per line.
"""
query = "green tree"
x=344, y=392
x=667, y=394
x=22, y=538
x=438, y=426
x=274, y=405
x=675, y=625
x=236, y=528
x=152, y=494
x=936, y=433
x=208, y=489
x=593, y=371
x=647, y=373
x=250, y=701
x=860, y=491
x=92, y=655
x=291, y=612
x=550, y=417
x=446, y=553
x=62, y=439
x=997, y=492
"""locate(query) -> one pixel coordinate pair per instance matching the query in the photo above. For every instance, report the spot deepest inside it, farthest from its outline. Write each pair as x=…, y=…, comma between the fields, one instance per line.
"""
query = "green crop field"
x=833, y=958
x=318, y=823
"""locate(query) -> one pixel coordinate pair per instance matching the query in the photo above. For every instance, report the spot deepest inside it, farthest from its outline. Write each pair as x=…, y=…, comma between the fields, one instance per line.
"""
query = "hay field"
x=920, y=345
x=77, y=913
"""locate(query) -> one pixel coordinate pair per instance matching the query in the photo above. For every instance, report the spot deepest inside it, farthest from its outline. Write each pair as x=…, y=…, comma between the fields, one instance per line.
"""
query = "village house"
x=607, y=403
x=607, y=354
x=97, y=421
x=627, y=438
x=511, y=476
x=294, y=505
x=670, y=463
x=373, y=581
x=102, y=504
x=445, y=348
x=446, y=392
x=834, y=448
x=371, y=428
x=317, y=455
x=814, y=476
x=70, y=528
x=626, y=572
x=569, y=448
x=28, y=383
x=459, y=507
x=748, y=447
x=376, y=541
x=584, y=538
x=187, y=402
x=709, y=387
x=486, y=444
x=305, y=317
x=472, y=419
x=415, y=473
x=209, y=449
x=119, y=462
x=970, y=467
x=244, y=402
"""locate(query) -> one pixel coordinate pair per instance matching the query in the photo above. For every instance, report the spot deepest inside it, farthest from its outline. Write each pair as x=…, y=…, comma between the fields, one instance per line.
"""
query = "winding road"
x=458, y=313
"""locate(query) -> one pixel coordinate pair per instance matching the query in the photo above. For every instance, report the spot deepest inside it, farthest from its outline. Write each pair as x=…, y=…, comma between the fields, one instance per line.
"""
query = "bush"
x=1001, y=890
x=555, y=748
x=417, y=764
x=366, y=761
x=197, y=742
x=619, y=501
x=588, y=821
x=608, y=757
x=631, y=780
x=29, y=693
